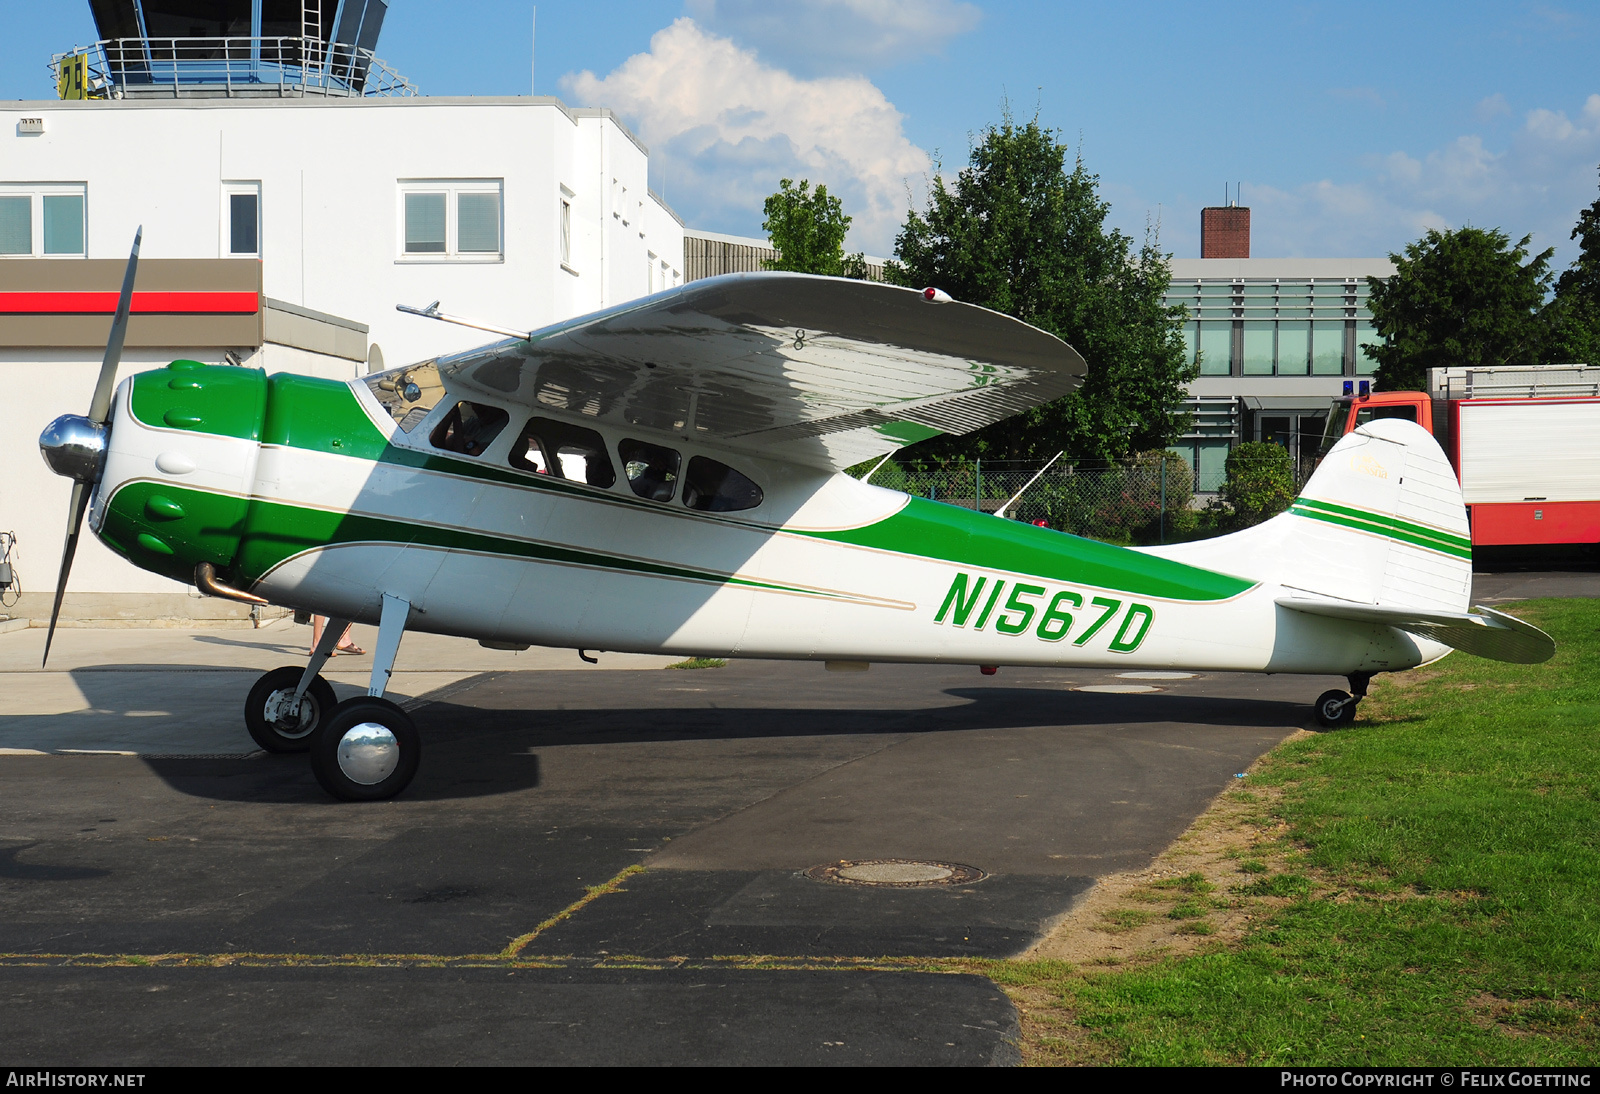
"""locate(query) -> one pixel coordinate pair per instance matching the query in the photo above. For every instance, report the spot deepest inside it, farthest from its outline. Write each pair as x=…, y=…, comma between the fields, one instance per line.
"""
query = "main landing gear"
x=1337, y=708
x=363, y=749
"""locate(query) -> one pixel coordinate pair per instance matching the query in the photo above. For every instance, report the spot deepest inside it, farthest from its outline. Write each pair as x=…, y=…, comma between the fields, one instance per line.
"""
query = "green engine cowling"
x=159, y=520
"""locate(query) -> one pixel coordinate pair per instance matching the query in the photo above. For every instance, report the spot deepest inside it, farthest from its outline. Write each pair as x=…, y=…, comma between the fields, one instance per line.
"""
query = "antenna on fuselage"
x=432, y=312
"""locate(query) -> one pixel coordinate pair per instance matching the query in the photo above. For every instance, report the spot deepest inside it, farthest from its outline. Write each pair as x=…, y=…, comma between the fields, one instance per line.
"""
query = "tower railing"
x=232, y=66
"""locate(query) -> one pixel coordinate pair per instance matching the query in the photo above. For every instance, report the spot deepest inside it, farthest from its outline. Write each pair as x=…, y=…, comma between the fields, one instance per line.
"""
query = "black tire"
x=314, y=707
x=375, y=770
x=1335, y=709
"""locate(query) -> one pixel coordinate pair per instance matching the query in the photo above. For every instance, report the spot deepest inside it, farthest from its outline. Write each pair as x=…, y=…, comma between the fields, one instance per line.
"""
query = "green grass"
x=701, y=663
x=1441, y=904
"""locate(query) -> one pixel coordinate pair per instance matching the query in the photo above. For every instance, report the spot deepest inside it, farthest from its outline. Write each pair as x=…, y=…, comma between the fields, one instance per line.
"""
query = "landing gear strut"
x=363, y=749
x=1338, y=708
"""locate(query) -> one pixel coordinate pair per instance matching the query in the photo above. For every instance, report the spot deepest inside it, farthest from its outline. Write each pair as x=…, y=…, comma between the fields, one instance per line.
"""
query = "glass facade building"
x=1273, y=340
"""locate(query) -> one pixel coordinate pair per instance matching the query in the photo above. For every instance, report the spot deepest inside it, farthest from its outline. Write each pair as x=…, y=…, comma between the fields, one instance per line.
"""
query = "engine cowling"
x=180, y=465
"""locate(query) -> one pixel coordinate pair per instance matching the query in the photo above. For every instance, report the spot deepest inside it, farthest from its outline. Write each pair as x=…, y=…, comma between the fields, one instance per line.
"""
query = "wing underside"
x=819, y=370
x=1482, y=631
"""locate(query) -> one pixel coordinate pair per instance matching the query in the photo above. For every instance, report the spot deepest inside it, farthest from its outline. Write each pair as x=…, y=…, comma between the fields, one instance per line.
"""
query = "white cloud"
x=1535, y=183
x=1495, y=106
x=723, y=128
x=835, y=36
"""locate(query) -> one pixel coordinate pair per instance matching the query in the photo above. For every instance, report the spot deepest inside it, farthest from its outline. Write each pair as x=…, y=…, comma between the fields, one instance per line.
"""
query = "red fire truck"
x=1524, y=442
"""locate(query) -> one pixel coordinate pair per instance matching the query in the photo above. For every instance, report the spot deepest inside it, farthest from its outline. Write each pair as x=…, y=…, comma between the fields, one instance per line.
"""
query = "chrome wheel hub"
x=283, y=717
x=368, y=753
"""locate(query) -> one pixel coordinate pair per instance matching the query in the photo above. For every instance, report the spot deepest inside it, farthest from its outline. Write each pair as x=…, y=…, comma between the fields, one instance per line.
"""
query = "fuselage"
x=309, y=493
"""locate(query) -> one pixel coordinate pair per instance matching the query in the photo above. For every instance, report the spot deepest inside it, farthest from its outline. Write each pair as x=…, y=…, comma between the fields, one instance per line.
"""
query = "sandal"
x=352, y=648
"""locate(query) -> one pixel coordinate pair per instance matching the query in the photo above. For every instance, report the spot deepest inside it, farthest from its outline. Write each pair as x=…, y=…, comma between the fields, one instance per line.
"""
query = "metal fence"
x=1148, y=500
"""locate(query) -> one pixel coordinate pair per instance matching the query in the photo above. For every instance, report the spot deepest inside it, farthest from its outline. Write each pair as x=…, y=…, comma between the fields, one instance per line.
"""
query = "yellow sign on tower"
x=72, y=81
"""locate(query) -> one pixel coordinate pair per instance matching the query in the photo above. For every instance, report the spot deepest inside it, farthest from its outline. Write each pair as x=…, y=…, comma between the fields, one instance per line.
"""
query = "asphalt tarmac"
x=602, y=868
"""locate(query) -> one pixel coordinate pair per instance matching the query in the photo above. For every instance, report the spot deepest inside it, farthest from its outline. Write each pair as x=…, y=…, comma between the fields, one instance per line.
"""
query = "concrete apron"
x=181, y=691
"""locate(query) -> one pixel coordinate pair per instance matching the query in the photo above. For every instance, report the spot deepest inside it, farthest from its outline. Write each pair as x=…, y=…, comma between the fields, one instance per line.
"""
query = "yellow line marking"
x=594, y=892
x=512, y=956
x=754, y=962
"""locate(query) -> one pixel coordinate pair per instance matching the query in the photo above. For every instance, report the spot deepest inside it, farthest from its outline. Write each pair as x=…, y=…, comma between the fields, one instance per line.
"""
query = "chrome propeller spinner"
x=75, y=446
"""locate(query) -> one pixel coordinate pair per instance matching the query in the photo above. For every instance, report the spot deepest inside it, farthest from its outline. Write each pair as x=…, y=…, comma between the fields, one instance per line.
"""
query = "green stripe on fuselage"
x=275, y=532
x=1417, y=535
x=930, y=529
x=325, y=416
x=1399, y=524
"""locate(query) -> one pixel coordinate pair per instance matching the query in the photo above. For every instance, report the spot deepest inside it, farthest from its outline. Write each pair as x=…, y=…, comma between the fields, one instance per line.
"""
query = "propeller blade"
x=80, y=502
x=99, y=411
x=100, y=408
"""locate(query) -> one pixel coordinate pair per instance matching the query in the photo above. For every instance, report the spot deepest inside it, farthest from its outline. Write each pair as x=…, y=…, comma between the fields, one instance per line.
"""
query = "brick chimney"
x=1225, y=231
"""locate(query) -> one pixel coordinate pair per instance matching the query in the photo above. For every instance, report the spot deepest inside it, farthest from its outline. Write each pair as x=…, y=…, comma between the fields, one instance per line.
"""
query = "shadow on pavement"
x=473, y=751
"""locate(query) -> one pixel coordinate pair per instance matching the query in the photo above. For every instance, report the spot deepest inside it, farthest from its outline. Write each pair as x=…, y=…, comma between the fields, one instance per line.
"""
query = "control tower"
x=230, y=49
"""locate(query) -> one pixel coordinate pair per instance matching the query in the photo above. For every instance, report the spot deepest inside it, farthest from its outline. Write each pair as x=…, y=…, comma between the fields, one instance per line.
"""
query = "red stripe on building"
x=144, y=303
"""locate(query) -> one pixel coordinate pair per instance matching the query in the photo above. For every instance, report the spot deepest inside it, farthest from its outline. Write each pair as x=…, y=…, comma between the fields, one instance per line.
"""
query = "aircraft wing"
x=1483, y=631
x=820, y=370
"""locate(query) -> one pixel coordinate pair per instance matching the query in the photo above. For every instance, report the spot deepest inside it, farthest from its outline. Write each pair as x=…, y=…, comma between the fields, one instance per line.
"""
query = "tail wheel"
x=277, y=728
x=1335, y=709
x=366, y=750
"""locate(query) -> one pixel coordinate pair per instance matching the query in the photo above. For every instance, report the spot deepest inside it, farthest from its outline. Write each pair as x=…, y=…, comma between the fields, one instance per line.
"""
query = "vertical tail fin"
x=1381, y=522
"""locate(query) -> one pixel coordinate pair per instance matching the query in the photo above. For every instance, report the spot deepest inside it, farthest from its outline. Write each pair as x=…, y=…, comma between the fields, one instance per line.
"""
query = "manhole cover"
x=1117, y=689
x=1155, y=676
x=897, y=873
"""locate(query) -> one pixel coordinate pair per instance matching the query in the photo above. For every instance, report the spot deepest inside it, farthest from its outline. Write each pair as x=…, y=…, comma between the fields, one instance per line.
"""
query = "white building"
x=329, y=211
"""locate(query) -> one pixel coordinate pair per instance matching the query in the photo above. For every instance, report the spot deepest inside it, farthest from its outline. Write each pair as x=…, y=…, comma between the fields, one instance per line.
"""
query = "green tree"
x=807, y=228
x=1259, y=482
x=1465, y=297
x=1575, y=312
x=1020, y=232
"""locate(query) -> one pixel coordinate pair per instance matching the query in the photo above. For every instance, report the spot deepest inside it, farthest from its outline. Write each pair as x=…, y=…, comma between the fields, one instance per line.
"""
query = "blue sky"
x=1352, y=126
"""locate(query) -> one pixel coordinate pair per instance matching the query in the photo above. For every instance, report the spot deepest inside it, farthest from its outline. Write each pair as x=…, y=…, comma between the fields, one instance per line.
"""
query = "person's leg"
x=317, y=623
x=347, y=646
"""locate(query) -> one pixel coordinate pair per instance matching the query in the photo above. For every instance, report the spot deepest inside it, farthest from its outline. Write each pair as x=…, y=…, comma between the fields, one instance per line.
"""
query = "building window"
x=451, y=220
x=243, y=212
x=1327, y=347
x=1216, y=347
x=1294, y=347
x=16, y=224
x=63, y=224
x=42, y=220
x=425, y=223
x=1257, y=348
x=566, y=233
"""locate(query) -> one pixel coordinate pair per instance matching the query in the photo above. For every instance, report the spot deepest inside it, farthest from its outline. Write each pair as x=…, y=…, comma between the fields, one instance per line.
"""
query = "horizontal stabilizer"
x=1482, y=632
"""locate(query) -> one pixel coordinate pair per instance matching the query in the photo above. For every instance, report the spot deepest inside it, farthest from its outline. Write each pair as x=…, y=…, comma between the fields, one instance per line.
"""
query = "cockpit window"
x=469, y=428
x=566, y=451
x=651, y=469
x=409, y=393
x=714, y=487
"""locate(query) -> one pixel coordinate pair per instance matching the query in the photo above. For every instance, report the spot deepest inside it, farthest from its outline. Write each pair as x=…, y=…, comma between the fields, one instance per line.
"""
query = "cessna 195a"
x=665, y=477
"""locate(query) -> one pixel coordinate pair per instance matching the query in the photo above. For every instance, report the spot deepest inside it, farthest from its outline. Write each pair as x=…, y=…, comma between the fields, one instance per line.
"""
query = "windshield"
x=1367, y=413
x=408, y=393
x=1335, y=428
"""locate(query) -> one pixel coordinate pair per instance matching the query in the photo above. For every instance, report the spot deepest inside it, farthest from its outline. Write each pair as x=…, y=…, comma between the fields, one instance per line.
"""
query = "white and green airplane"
x=666, y=477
